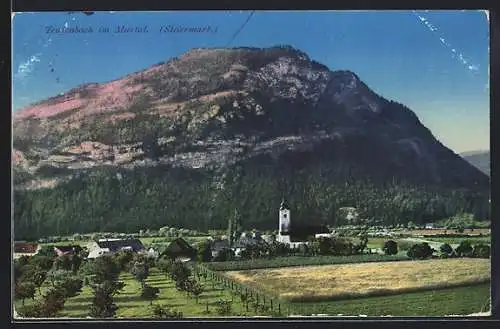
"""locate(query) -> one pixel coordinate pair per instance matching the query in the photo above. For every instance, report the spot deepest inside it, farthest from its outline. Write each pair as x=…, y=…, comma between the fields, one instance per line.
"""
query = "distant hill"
x=479, y=159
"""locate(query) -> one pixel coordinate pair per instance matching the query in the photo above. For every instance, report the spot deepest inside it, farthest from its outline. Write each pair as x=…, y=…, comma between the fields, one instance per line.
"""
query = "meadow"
x=442, y=302
x=344, y=281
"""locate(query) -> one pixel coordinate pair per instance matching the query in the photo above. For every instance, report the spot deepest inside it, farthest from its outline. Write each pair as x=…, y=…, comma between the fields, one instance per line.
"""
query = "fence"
x=248, y=295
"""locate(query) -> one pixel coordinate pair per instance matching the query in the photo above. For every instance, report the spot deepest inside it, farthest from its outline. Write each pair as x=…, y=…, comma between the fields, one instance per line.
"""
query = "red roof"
x=25, y=248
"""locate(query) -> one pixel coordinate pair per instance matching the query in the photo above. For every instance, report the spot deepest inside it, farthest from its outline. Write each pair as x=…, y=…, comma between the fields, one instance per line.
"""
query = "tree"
x=204, y=251
x=196, y=289
x=103, y=305
x=24, y=290
x=223, y=307
x=63, y=263
x=123, y=259
x=420, y=251
x=140, y=271
x=38, y=278
x=53, y=302
x=481, y=251
x=100, y=270
x=149, y=293
x=390, y=247
x=446, y=249
x=43, y=262
x=464, y=249
x=71, y=286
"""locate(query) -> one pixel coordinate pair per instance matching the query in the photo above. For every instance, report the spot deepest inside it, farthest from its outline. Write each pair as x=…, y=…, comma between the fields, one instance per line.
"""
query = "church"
x=297, y=234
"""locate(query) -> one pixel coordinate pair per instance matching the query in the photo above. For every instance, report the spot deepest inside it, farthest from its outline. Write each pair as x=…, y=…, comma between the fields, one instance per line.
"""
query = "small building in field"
x=430, y=226
x=180, y=249
x=110, y=246
x=25, y=249
x=67, y=250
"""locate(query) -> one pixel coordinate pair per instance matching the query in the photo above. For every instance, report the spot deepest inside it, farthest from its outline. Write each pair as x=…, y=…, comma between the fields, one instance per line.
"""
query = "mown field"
x=290, y=261
x=343, y=281
x=450, y=301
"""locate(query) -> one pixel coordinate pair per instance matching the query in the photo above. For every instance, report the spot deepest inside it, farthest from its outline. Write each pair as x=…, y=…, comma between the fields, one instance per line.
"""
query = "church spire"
x=284, y=204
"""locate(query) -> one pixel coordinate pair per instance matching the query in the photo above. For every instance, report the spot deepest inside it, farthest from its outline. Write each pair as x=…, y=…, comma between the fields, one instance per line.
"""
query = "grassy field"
x=471, y=232
x=301, y=261
x=451, y=301
x=131, y=305
x=457, y=240
x=329, y=282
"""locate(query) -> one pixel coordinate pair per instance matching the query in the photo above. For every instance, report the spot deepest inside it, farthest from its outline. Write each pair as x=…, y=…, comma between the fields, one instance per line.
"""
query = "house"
x=25, y=249
x=179, y=249
x=67, y=250
x=110, y=246
x=218, y=246
x=245, y=241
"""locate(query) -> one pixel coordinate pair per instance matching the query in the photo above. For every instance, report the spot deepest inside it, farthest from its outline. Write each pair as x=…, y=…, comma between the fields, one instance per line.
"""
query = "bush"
x=464, y=249
x=420, y=251
x=164, y=312
x=223, y=307
x=390, y=247
x=481, y=251
x=446, y=249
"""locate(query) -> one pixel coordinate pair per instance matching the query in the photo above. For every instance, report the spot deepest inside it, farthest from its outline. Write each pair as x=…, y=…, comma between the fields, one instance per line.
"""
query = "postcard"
x=244, y=164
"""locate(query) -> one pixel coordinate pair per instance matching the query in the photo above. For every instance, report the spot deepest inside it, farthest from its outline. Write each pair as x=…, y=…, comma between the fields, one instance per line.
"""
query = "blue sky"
x=435, y=62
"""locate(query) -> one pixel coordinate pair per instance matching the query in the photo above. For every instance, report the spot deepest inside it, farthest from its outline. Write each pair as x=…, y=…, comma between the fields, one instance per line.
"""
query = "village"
x=235, y=261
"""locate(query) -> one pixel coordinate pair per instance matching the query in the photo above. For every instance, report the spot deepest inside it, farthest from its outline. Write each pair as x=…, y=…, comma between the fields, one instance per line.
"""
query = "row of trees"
x=423, y=250
x=156, y=197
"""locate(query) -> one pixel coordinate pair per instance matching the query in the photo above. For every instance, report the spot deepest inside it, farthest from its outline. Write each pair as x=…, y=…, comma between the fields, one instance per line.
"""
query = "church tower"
x=284, y=223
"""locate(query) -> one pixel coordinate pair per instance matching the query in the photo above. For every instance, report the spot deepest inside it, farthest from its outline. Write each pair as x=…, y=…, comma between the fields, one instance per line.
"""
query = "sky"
x=434, y=62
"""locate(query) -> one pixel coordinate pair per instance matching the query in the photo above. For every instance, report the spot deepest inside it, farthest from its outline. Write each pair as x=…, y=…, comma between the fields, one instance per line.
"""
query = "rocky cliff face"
x=212, y=108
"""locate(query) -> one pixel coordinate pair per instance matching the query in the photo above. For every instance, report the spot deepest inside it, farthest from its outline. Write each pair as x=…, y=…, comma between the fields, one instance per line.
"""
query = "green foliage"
x=446, y=249
x=100, y=270
x=390, y=247
x=420, y=251
x=461, y=221
x=223, y=307
x=204, y=251
x=140, y=271
x=300, y=261
x=99, y=202
x=53, y=302
x=24, y=290
x=123, y=259
x=103, y=305
x=481, y=251
x=149, y=293
x=63, y=263
x=71, y=286
x=464, y=249
x=165, y=312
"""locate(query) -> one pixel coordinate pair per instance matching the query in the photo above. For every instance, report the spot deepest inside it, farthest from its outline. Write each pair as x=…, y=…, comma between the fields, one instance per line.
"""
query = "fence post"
x=279, y=308
x=271, y=304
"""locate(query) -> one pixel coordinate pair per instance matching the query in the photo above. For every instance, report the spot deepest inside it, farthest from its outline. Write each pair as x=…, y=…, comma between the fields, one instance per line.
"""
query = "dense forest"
x=129, y=200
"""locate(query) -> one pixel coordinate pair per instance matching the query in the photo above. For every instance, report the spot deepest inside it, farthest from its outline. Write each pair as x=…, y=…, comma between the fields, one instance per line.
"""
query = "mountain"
x=219, y=122
x=479, y=159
